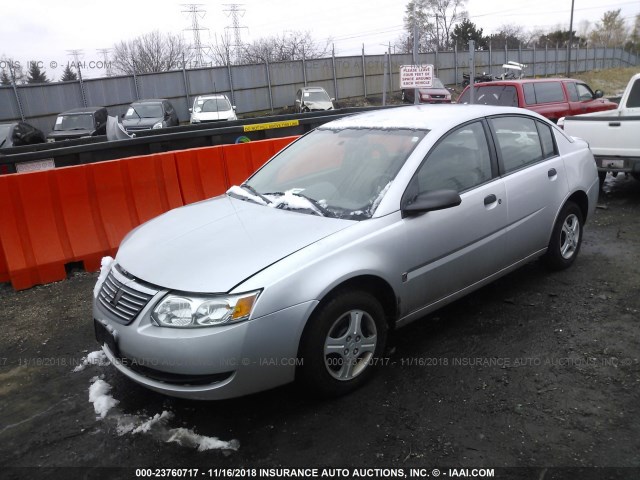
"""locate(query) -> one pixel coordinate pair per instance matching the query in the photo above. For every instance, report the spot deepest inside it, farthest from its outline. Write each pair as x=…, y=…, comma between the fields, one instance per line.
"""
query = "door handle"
x=552, y=173
x=489, y=199
x=614, y=124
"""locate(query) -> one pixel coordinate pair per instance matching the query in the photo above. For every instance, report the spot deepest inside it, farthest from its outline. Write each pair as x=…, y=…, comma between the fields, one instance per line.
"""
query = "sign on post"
x=416, y=76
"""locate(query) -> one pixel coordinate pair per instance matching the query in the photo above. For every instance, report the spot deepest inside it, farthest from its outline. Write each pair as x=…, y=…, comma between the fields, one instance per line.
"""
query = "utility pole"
x=570, y=41
x=105, y=58
x=235, y=13
x=196, y=13
x=416, y=91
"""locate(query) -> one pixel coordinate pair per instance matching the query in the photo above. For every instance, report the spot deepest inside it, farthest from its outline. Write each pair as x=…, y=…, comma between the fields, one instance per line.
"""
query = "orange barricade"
x=133, y=190
x=201, y=173
x=80, y=214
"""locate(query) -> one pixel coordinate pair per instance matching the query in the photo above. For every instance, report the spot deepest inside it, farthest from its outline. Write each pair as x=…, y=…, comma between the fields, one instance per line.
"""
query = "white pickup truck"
x=613, y=135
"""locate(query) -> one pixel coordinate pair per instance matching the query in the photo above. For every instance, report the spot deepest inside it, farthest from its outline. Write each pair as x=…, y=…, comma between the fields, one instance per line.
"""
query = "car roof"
x=149, y=100
x=82, y=110
x=310, y=89
x=423, y=117
x=212, y=95
x=526, y=80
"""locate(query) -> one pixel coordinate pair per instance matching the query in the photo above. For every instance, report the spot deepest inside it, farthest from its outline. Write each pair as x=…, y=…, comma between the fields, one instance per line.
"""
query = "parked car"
x=613, y=134
x=361, y=226
x=438, y=93
x=17, y=134
x=550, y=97
x=78, y=123
x=212, y=108
x=311, y=99
x=150, y=114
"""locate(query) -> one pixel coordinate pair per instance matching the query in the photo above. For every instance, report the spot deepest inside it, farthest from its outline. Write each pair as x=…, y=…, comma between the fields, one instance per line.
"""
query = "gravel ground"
x=535, y=370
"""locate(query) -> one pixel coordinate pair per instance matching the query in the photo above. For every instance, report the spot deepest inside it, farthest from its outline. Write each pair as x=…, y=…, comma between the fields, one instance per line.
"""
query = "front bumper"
x=210, y=363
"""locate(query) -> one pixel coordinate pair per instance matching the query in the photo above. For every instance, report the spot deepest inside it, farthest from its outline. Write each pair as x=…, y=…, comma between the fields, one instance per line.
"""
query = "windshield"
x=144, y=110
x=336, y=173
x=79, y=121
x=219, y=104
x=437, y=83
x=316, y=97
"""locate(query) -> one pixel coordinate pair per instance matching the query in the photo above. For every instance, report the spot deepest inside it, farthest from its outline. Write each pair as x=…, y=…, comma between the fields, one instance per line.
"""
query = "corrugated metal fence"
x=266, y=87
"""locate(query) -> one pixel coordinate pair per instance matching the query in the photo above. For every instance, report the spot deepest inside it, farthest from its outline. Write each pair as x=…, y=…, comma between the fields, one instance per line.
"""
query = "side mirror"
x=598, y=94
x=430, y=201
x=233, y=106
x=190, y=110
x=122, y=115
x=332, y=99
x=297, y=100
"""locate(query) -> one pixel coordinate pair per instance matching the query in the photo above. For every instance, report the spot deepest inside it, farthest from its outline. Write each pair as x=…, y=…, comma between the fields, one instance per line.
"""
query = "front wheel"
x=566, y=238
x=342, y=343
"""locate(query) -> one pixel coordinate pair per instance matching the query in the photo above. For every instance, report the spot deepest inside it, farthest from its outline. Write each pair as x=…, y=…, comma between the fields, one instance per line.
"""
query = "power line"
x=196, y=14
x=235, y=12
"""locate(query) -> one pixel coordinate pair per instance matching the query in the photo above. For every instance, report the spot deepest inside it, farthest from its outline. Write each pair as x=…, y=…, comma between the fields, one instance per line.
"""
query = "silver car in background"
x=360, y=227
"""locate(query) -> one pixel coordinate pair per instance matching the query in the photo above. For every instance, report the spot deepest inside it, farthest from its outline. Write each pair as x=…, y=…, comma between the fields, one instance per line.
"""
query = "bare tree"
x=435, y=19
x=12, y=69
x=284, y=47
x=151, y=52
x=611, y=30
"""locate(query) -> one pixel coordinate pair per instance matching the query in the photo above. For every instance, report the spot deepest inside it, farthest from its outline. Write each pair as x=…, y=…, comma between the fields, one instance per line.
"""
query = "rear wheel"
x=566, y=238
x=342, y=342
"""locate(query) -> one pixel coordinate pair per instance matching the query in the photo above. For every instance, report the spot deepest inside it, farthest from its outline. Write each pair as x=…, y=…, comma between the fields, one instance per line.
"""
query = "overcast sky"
x=45, y=31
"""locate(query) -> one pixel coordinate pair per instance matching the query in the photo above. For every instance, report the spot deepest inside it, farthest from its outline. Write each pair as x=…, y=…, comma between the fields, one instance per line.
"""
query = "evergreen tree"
x=5, y=79
x=36, y=75
x=465, y=31
x=68, y=75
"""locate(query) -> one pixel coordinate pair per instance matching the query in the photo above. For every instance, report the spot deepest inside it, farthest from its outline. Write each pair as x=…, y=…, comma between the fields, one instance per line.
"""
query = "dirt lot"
x=536, y=370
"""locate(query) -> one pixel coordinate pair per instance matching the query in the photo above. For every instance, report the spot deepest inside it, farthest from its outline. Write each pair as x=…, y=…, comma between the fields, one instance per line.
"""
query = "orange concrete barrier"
x=80, y=214
x=201, y=173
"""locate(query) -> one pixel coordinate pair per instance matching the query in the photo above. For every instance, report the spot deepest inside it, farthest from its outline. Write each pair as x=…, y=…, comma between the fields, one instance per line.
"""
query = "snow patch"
x=241, y=192
x=98, y=358
x=188, y=438
x=105, y=266
x=99, y=396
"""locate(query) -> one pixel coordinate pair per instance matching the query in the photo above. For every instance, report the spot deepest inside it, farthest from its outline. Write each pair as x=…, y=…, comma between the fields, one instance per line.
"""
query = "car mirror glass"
x=430, y=201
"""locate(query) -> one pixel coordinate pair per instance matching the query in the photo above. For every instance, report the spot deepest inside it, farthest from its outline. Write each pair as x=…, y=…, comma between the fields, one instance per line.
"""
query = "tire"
x=341, y=343
x=636, y=175
x=566, y=238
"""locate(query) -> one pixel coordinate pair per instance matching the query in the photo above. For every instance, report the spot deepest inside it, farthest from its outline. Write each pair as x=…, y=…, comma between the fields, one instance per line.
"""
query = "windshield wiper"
x=3, y=142
x=320, y=210
x=249, y=188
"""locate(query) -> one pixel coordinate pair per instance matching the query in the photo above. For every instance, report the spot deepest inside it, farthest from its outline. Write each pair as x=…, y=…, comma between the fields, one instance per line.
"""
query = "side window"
x=547, y=92
x=633, y=101
x=459, y=162
x=546, y=138
x=572, y=90
x=518, y=142
x=529, y=94
x=584, y=92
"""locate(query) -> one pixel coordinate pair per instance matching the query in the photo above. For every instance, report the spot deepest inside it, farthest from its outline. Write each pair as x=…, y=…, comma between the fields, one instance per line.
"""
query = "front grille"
x=122, y=297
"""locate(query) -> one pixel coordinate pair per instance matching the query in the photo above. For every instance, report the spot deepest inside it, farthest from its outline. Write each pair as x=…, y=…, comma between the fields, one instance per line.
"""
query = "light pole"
x=570, y=41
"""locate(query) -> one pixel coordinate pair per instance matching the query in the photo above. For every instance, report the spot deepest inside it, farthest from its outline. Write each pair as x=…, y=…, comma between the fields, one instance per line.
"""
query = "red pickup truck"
x=551, y=97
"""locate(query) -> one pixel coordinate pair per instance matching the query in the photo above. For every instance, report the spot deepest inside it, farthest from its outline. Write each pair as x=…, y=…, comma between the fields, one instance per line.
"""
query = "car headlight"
x=158, y=125
x=186, y=311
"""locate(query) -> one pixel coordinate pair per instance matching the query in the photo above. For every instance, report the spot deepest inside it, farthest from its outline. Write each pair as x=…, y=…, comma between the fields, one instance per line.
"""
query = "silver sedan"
x=360, y=227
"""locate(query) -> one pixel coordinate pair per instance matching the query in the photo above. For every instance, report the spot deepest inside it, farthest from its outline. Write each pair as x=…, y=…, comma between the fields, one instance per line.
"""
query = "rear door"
x=447, y=250
x=535, y=182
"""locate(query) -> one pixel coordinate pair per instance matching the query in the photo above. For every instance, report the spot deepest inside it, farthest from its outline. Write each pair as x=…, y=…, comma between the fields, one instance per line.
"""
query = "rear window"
x=502, y=95
x=543, y=92
x=634, y=96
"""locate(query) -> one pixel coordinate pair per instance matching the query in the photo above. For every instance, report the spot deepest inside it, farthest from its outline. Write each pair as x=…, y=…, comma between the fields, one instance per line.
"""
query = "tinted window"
x=518, y=142
x=459, y=162
x=634, y=96
x=547, y=92
x=529, y=94
x=572, y=90
x=546, y=137
x=504, y=95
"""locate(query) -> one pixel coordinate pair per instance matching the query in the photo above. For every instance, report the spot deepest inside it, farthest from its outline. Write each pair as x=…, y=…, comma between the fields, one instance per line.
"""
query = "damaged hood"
x=212, y=246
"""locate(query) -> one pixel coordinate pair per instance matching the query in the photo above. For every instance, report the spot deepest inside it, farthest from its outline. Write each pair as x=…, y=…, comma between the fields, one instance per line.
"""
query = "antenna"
x=196, y=13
